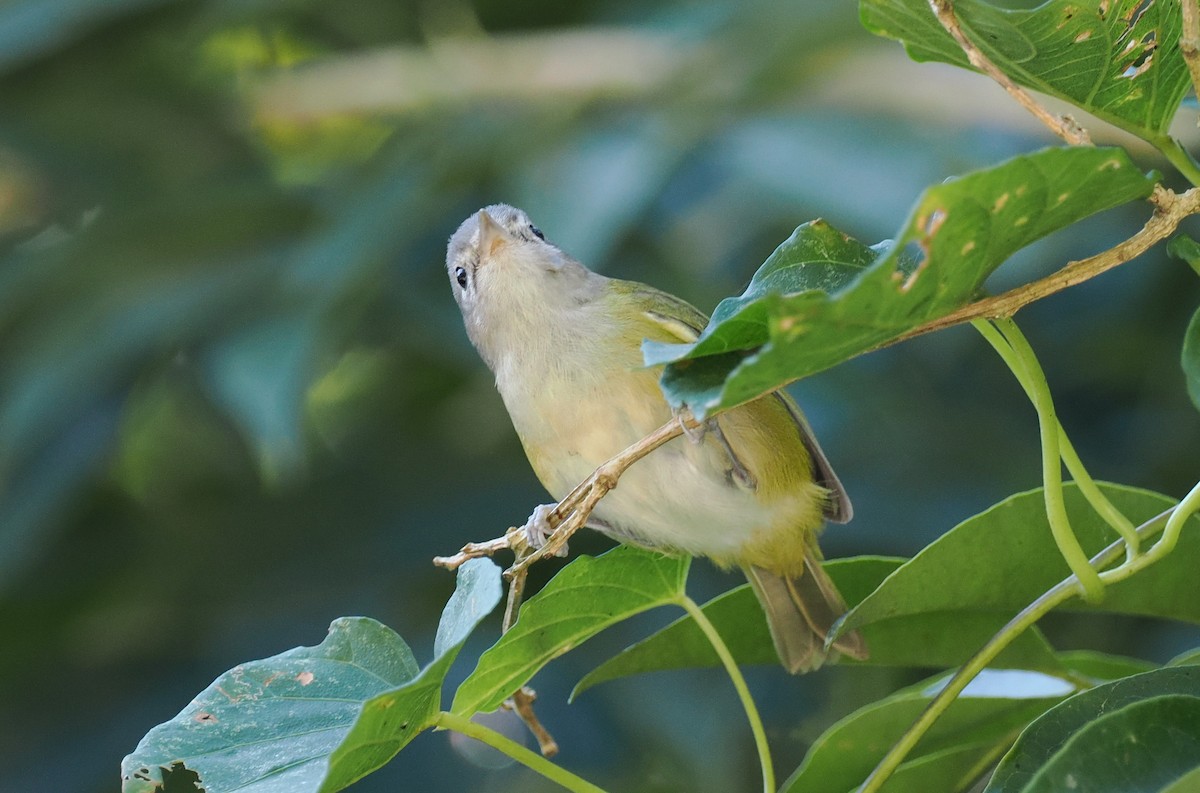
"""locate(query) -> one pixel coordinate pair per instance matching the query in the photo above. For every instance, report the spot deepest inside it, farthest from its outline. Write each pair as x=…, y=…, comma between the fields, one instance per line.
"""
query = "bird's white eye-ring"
x=460, y=275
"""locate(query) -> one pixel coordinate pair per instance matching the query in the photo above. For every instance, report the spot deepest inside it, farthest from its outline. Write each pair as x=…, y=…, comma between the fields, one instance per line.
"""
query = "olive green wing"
x=678, y=319
x=681, y=321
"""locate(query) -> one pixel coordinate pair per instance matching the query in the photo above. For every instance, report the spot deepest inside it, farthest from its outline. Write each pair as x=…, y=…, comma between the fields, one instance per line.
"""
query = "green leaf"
x=961, y=231
x=1138, y=733
x=313, y=718
x=584, y=598
x=1188, y=783
x=390, y=720
x=1103, y=666
x=1187, y=249
x=953, y=769
x=1118, y=60
x=935, y=639
x=1187, y=658
x=975, y=722
x=1190, y=358
x=1003, y=558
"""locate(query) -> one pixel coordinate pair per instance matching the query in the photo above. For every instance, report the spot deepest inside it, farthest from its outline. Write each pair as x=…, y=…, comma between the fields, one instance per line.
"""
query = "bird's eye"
x=460, y=275
x=537, y=232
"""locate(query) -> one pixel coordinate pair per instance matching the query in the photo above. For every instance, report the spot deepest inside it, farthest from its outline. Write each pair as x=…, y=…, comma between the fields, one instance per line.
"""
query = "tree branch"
x=573, y=511
x=1065, y=127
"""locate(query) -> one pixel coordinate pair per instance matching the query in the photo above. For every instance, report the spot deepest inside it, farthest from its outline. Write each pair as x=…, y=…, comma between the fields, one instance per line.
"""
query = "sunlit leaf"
x=1117, y=60
x=959, y=232
x=584, y=598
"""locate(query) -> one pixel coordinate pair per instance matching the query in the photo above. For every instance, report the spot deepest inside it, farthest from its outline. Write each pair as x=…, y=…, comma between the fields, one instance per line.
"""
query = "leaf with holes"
x=313, y=718
x=957, y=234
x=1138, y=733
x=584, y=598
x=925, y=640
x=1118, y=60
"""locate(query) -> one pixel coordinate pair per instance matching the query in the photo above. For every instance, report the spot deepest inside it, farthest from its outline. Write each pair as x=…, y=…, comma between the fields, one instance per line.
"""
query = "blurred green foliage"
x=236, y=400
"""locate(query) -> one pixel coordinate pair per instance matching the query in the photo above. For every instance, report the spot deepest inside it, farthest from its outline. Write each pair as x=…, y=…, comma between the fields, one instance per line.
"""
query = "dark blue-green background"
x=236, y=400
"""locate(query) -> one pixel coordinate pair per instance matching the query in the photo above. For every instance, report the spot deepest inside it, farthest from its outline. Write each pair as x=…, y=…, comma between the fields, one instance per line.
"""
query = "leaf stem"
x=739, y=683
x=530, y=759
x=1012, y=346
x=1177, y=155
x=1184, y=510
x=1056, y=595
x=1087, y=486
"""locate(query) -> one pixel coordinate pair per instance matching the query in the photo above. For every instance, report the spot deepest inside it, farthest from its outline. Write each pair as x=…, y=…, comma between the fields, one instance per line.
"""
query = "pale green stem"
x=1099, y=502
x=533, y=760
x=1058, y=594
x=739, y=683
x=1020, y=358
x=1087, y=486
x=1177, y=156
x=1186, y=508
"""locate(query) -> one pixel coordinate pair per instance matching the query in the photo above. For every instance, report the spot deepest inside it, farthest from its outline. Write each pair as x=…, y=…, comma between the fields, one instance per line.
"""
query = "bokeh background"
x=236, y=400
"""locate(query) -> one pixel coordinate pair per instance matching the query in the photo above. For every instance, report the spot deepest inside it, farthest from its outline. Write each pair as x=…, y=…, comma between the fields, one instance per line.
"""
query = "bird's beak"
x=492, y=235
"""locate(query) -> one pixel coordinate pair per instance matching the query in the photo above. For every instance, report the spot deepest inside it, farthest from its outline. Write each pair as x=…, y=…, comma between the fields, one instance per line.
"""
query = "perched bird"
x=751, y=490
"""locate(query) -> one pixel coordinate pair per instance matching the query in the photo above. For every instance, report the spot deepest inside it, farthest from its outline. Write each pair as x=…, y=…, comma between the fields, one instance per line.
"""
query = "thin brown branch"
x=474, y=550
x=1065, y=127
x=522, y=704
x=1169, y=210
x=573, y=511
x=568, y=516
x=1189, y=41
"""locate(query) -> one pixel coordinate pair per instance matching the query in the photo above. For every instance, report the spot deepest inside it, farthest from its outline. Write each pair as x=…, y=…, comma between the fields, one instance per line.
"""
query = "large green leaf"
x=1003, y=558
x=313, y=718
x=584, y=598
x=787, y=326
x=1138, y=733
x=931, y=640
x=1118, y=60
x=975, y=724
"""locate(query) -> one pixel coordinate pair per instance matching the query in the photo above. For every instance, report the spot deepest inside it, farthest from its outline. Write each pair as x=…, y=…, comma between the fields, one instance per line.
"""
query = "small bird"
x=750, y=490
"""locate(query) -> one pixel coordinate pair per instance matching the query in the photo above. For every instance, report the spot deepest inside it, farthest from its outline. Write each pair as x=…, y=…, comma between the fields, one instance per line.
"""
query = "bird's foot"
x=538, y=529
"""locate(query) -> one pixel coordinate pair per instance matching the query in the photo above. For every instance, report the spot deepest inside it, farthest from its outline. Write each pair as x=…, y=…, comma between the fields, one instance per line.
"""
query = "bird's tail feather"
x=801, y=612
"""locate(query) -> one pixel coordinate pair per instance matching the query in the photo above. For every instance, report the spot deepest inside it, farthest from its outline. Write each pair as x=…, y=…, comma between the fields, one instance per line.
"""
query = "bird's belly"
x=680, y=498
x=677, y=498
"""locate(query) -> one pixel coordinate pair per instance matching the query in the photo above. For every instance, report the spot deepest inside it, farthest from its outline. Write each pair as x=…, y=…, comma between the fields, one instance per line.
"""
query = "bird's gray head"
x=506, y=278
